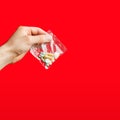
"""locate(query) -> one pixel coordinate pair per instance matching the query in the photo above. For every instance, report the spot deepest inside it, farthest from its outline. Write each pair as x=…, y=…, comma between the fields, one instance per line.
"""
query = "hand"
x=20, y=43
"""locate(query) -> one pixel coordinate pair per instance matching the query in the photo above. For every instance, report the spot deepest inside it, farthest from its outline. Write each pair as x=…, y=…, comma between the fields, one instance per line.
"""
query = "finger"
x=40, y=39
x=32, y=30
x=37, y=31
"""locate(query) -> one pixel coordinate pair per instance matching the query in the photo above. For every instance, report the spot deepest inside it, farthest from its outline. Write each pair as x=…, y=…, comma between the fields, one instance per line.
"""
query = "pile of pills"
x=48, y=53
x=48, y=58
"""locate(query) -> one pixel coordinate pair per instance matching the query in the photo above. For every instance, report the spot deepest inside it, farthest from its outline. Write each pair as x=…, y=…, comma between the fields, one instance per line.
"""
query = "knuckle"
x=21, y=27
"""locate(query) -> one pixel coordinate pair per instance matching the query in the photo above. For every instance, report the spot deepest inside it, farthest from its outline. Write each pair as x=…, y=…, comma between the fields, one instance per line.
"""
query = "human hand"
x=20, y=43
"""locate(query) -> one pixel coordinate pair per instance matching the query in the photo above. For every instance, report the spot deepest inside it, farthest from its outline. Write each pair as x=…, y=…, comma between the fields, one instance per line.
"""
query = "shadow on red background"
x=84, y=82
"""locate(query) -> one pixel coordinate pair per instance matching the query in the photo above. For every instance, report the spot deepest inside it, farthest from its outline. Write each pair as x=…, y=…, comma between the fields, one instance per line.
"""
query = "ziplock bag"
x=48, y=53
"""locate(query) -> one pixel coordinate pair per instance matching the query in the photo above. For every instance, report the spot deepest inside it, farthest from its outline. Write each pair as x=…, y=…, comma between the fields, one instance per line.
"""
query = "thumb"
x=40, y=39
x=16, y=59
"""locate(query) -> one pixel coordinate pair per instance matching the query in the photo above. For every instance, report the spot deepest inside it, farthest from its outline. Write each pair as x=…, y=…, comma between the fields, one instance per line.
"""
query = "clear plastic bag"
x=48, y=53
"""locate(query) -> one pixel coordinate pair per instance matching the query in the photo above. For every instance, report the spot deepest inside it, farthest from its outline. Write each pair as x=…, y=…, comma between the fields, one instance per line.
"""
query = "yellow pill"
x=48, y=57
x=50, y=54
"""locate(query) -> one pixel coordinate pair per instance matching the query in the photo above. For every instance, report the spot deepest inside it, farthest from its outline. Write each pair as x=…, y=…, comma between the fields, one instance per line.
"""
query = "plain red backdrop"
x=84, y=83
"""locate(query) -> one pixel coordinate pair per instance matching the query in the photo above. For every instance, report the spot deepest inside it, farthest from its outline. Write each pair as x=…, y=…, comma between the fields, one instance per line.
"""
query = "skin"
x=20, y=43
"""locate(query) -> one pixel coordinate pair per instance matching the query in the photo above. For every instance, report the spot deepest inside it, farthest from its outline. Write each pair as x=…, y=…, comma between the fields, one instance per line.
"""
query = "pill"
x=48, y=57
x=50, y=54
x=48, y=62
x=42, y=54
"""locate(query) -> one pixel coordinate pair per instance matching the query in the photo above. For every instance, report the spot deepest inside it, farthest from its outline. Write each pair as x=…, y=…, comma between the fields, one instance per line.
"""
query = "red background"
x=84, y=83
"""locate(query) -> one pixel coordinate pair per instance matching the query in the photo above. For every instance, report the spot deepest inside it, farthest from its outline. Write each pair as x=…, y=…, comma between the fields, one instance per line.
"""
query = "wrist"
x=6, y=55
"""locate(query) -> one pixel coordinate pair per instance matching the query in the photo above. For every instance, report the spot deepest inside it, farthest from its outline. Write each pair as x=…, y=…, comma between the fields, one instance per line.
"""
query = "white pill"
x=47, y=61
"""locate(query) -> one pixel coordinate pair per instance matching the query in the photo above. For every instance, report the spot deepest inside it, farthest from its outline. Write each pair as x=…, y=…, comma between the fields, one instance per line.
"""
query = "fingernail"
x=48, y=38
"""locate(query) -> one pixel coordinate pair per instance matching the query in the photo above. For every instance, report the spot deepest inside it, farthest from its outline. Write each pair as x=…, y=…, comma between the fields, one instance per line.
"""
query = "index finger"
x=35, y=31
